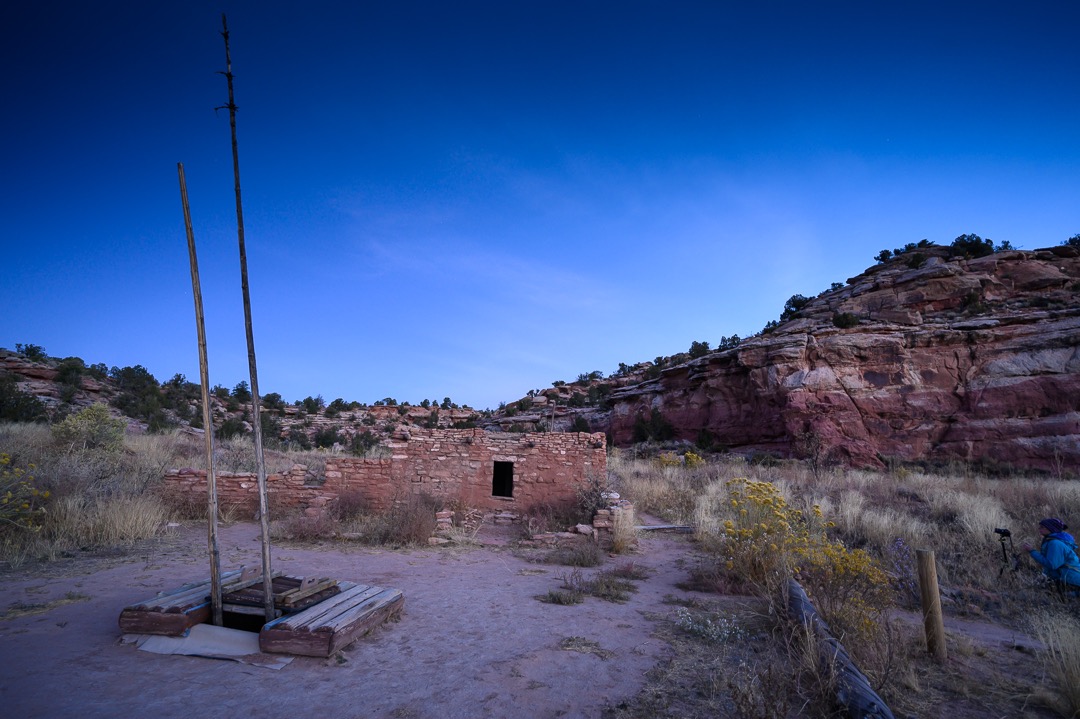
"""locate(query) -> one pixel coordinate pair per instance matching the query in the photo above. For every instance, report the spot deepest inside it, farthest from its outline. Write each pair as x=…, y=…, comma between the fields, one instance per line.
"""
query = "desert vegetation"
x=849, y=537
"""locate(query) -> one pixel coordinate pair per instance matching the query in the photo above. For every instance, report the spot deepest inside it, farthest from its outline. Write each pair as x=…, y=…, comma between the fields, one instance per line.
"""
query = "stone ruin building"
x=497, y=473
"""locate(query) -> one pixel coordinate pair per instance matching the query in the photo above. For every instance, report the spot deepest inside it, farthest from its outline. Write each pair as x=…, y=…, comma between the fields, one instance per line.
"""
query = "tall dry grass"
x=883, y=512
x=98, y=497
x=885, y=515
x=1059, y=632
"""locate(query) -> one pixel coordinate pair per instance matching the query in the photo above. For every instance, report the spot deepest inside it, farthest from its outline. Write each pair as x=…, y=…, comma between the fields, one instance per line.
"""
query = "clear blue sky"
x=475, y=199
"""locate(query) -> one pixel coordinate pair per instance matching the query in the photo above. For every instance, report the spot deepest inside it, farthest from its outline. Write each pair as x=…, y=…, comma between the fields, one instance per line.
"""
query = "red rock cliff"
x=966, y=359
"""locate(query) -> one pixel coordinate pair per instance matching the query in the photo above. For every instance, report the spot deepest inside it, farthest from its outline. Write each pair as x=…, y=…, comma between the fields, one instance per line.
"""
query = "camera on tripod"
x=1005, y=537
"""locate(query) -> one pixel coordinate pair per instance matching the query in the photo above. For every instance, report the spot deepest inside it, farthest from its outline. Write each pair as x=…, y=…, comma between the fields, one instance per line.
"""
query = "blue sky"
x=474, y=199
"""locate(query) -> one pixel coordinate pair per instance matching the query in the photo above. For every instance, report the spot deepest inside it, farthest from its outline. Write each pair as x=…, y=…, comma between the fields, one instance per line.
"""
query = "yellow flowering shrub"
x=668, y=459
x=20, y=500
x=764, y=542
x=692, y=460
x=848, y=588
x=758, y=541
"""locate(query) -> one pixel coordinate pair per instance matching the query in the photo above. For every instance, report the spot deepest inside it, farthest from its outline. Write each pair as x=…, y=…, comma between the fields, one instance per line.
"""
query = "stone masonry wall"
x=455, y=465
x=295, y=489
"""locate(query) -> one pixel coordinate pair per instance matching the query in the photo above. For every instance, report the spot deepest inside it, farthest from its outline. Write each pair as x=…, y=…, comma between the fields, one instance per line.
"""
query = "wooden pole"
x=931, y=604
x=208, y=422
x=260, y=464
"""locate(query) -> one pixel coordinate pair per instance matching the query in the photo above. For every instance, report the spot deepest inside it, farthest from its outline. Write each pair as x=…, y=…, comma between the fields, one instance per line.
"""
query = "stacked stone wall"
x=239, y=491
x=454, y=465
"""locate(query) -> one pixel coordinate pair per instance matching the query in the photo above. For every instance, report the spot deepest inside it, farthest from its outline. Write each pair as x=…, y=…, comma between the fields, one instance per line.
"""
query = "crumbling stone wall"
x=239, y=491
x=455, y=465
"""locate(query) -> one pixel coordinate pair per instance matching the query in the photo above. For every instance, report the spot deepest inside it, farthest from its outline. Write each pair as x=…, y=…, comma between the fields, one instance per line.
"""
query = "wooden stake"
x=931, y=604
x=260, y=464
x=208, y=422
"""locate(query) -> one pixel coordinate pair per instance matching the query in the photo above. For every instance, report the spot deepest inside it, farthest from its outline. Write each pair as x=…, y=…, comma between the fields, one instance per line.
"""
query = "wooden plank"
x=312, y=599
x=360, y=610
x=376, y=615
x=326, y=607
x=246, y=609
x=205, y=582
x=348, y=626
x=255, y=592
x=173, y=624
x=676, y=528
x=291, y=599
x=177, y=600
x=323, y=613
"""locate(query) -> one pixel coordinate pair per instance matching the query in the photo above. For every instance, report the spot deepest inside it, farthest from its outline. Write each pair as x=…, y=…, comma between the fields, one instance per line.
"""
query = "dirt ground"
x=472, y=641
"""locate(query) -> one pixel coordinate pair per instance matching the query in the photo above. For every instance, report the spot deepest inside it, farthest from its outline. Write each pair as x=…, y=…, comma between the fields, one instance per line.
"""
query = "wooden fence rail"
x=853, y=689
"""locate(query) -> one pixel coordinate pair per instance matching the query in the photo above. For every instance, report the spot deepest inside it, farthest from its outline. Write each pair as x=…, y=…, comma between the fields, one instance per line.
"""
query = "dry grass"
x=953, y=514
x=886, y=515
x=97, y=497
x=1059, y=631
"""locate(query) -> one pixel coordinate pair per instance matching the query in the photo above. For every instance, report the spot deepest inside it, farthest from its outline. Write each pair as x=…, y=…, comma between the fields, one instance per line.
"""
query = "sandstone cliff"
x=950, y=359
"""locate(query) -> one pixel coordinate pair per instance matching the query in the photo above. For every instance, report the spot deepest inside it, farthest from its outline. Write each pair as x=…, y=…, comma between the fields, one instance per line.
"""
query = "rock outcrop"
x=926, y=357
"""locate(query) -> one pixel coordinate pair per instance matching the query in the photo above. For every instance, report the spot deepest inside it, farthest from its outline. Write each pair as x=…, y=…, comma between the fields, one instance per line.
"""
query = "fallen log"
x=853, y=689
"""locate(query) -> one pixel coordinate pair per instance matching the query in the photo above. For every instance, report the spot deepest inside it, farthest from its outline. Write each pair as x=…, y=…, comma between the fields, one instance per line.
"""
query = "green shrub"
x=140, y=396
x=698, y=349
x=241, y=392
x=326, y=437
x=336, y=407
x=580, y=424
x=564, y=597
x=299, y=438
x=792, y=307
x=90, y=428
x=19, y=406
x=271, y=427
x=972, y=246
x=727, y=343
x=231, y=427
x=845, y=320
x=312, y=405
x=656, y=427
x=34, y=353
x=362, y=443
x=70, y=371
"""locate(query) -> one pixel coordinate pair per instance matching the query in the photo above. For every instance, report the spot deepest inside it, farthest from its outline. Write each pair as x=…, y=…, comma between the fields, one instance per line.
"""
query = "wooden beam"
x=208, y=423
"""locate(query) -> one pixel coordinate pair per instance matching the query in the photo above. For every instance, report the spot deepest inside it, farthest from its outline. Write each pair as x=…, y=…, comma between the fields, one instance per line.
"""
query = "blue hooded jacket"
x=1058, y=558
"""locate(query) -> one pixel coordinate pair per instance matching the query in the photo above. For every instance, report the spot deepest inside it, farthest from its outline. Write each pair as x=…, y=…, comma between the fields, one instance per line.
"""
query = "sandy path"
x=472, y=641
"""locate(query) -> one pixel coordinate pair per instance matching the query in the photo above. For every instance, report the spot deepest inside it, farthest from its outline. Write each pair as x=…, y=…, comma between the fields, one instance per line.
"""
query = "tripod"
x=1005, y=536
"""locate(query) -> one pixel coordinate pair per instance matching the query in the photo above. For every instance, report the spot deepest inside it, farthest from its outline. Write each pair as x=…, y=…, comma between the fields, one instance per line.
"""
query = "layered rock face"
x=950, y=359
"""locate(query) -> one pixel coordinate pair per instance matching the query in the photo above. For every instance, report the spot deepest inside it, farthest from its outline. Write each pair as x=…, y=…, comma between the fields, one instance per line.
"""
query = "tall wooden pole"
x=260, y=465
x=933, y=624
x=208, y=422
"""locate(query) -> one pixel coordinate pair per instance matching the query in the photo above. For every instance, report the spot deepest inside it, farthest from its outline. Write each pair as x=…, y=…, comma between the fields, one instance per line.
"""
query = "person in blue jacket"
x=1057, y=555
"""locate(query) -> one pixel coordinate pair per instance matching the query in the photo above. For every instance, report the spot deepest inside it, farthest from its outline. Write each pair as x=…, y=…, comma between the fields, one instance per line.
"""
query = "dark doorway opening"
x=502, y=479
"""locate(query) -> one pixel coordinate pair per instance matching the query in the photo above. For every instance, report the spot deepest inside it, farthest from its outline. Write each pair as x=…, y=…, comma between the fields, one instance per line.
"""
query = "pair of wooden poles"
x=204, y=377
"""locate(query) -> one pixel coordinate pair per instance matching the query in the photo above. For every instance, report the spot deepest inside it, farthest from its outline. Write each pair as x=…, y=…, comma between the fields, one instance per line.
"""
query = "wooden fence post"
x=931, y=604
